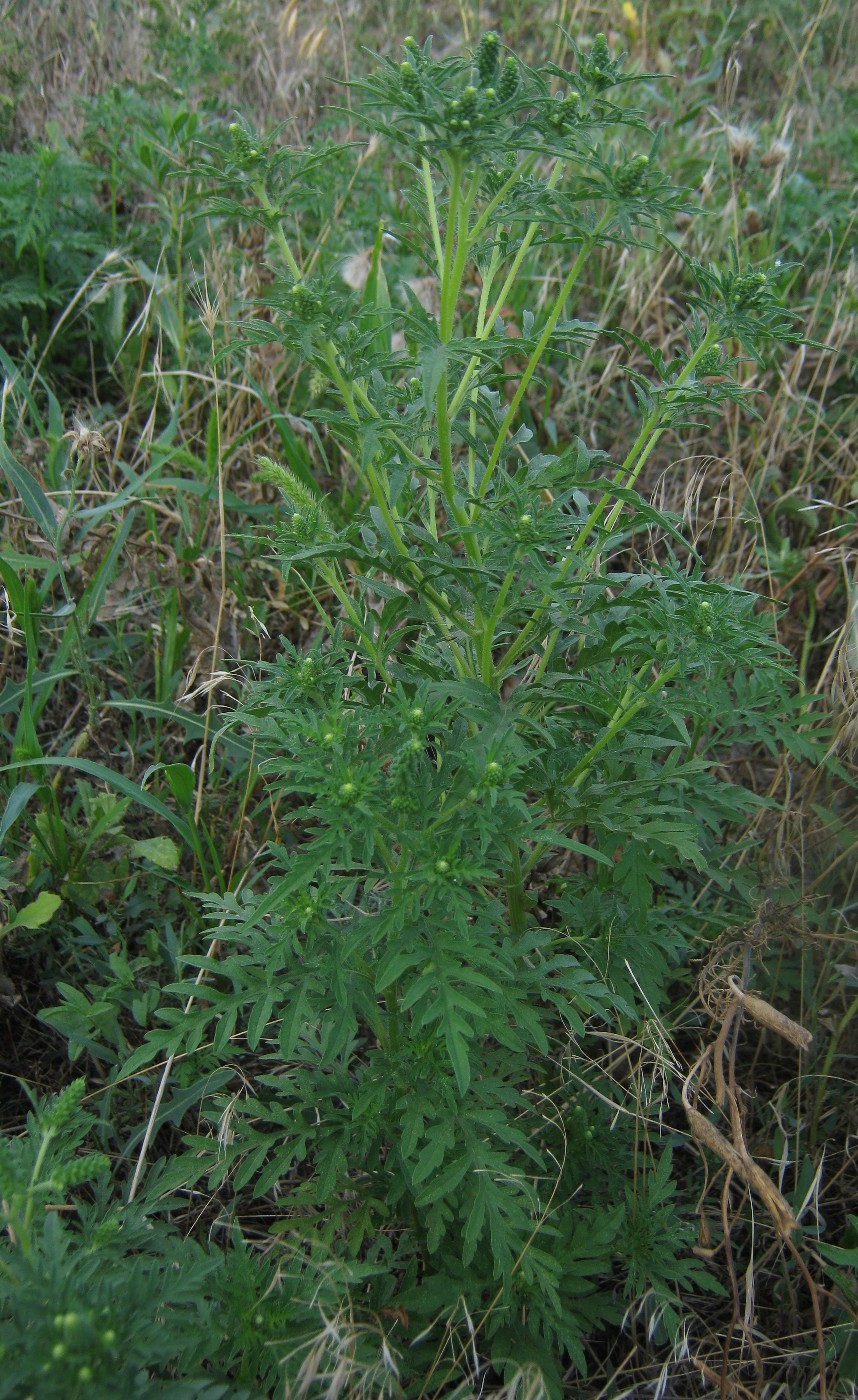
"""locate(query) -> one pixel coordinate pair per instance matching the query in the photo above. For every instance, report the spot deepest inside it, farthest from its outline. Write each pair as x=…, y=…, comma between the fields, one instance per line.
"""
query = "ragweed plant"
x=502, y=771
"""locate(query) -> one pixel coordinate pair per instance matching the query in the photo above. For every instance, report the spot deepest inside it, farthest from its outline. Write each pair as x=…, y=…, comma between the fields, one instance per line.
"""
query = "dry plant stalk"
x=767, y=1015
x=735, y=1154
x=743, y=1165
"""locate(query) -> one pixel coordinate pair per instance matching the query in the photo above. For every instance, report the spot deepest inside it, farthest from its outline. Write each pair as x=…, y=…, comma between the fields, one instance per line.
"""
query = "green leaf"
x=445, y=1182
x=121, y=784
x=181, y=781
x=375, y=304
x=161, y=850
x=434, y=363
x=18, y=799
x=36, y=914
x=259, y=1018
x=33, y=498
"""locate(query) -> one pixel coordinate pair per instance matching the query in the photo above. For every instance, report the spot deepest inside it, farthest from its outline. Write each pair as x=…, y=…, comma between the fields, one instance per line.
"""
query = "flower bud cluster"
x=305, y=302
x=710, y=363
x=79, y=1170
x=61, y=1110
x=750, y=291
x=244, y=153
x=486, y=58
x=411, y=80
x=599, y=69
x=630, y=177
x=565, y=112
x=308, y=673
x=509, y=81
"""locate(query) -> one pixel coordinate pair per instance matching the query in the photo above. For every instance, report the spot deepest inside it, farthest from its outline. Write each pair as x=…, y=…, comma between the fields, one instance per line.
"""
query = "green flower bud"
x=305, y=302
x=493, y=772
x=442, y=867
x=347, y=791
x=82, y=1169
x=58, y=1351
x=469, y=104
x=319, y=384
x=629, y=178
x=565, y=112
x=416, y=715
x=85, y=1374
x=411, y=81
x=243, y=153
x=509, y=80
x=486, y=58
x=63, y=1108
x=108, y=1337
x=600, y=54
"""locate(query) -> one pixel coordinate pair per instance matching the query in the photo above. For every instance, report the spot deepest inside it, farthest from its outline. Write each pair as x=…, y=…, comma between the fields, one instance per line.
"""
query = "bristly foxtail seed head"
x=296, y=494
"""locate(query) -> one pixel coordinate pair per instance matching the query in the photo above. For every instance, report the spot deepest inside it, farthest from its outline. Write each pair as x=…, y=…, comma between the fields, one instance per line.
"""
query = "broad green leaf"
x=161, y=850
x=181, y=781
x=36, y=914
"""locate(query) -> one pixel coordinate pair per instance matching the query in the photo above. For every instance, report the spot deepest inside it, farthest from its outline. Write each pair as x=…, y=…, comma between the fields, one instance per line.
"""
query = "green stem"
x=500, y=302
x=485, y=292
x=487, y=637
x=540, y=348
x=455, y=258
x=834, y=1049
x=643, y=445
x=48, y=1135
x=433, y=212
x=622, y=715
x=277, y=229
x=520, y=170
x=515, y=901
x=627, y=474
